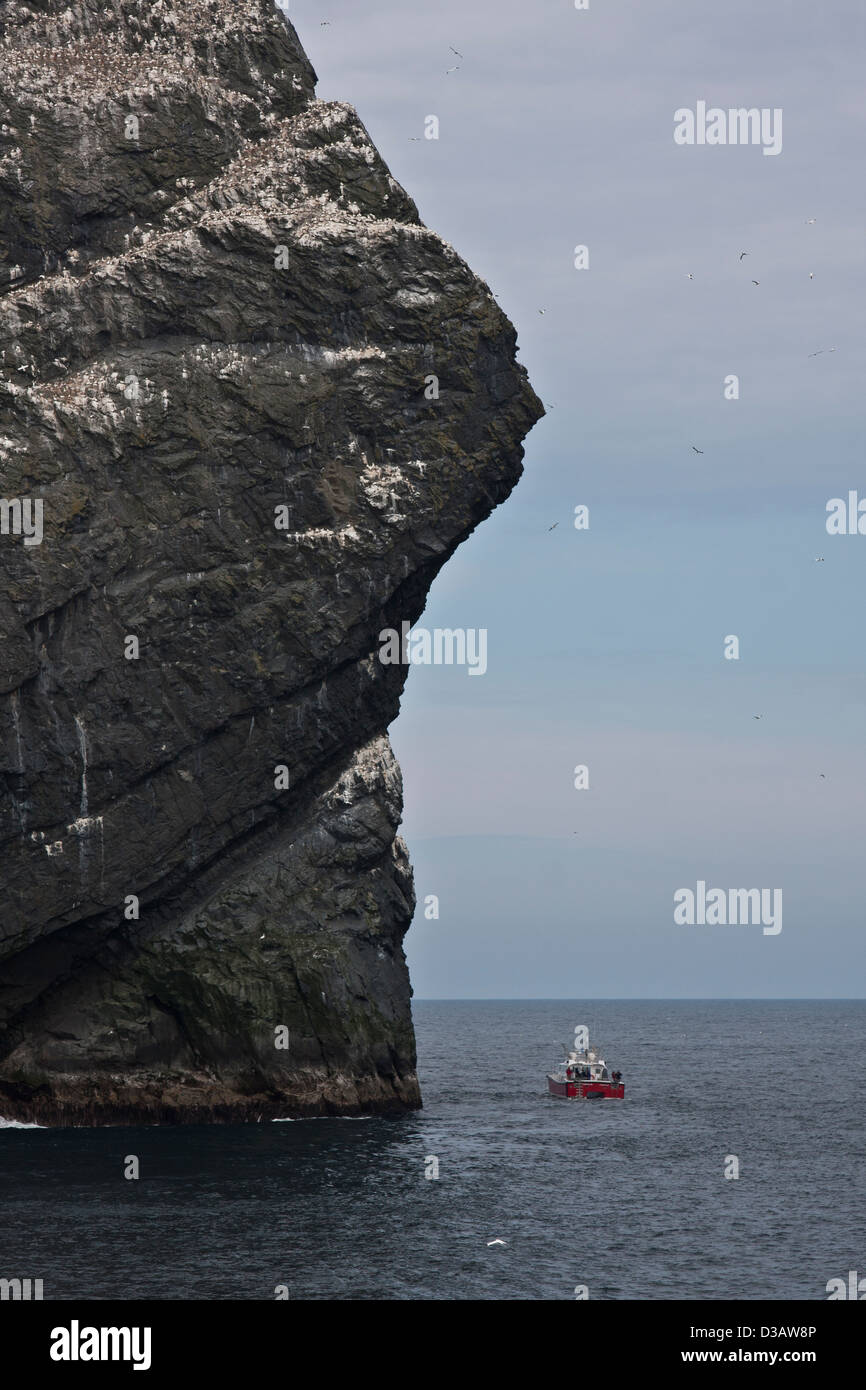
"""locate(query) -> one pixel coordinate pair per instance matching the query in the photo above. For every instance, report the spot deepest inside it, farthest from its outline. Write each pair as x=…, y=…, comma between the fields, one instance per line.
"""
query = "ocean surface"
x=627, y=1198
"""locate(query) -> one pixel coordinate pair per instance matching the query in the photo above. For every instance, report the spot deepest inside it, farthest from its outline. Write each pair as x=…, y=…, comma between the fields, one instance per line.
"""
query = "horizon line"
x=641, y=999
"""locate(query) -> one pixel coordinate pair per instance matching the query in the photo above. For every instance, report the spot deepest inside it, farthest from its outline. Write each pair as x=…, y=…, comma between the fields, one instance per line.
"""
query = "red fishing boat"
x=584, y=1075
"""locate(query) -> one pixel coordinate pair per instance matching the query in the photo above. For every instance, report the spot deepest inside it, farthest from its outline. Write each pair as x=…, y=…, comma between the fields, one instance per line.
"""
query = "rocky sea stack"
x=223, y=474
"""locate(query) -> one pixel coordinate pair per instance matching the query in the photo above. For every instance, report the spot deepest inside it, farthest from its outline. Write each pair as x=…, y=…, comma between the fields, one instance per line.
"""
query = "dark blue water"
x=628, y=1198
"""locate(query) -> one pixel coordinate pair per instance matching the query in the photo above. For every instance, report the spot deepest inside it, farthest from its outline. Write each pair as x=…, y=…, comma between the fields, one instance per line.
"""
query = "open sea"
x=627, y=1198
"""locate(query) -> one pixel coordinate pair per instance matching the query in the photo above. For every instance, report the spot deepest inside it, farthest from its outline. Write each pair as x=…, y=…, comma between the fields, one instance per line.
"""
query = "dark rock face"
x=218, y=315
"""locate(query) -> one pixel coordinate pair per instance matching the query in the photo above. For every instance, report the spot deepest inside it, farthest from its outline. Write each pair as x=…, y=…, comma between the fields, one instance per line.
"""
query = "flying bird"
x=819, y=559
x=497, y=1242
x=542, y=311
x=756, y=282
x=454, y=50
x=553, y=527
x=690, y=276
x=823, y=774
x=810, y=220
x=743, y=253
x=756, y=716
x=414, y=137
x=811, y=276
x=696, y=449
x=456, y=68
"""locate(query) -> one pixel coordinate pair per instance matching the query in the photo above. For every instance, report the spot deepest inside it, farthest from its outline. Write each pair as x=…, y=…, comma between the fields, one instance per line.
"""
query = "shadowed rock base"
x=284, y=993
x=195, y=1099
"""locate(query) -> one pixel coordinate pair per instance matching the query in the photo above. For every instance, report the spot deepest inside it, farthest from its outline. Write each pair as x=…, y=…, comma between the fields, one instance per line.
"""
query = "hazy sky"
x=605, y=646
